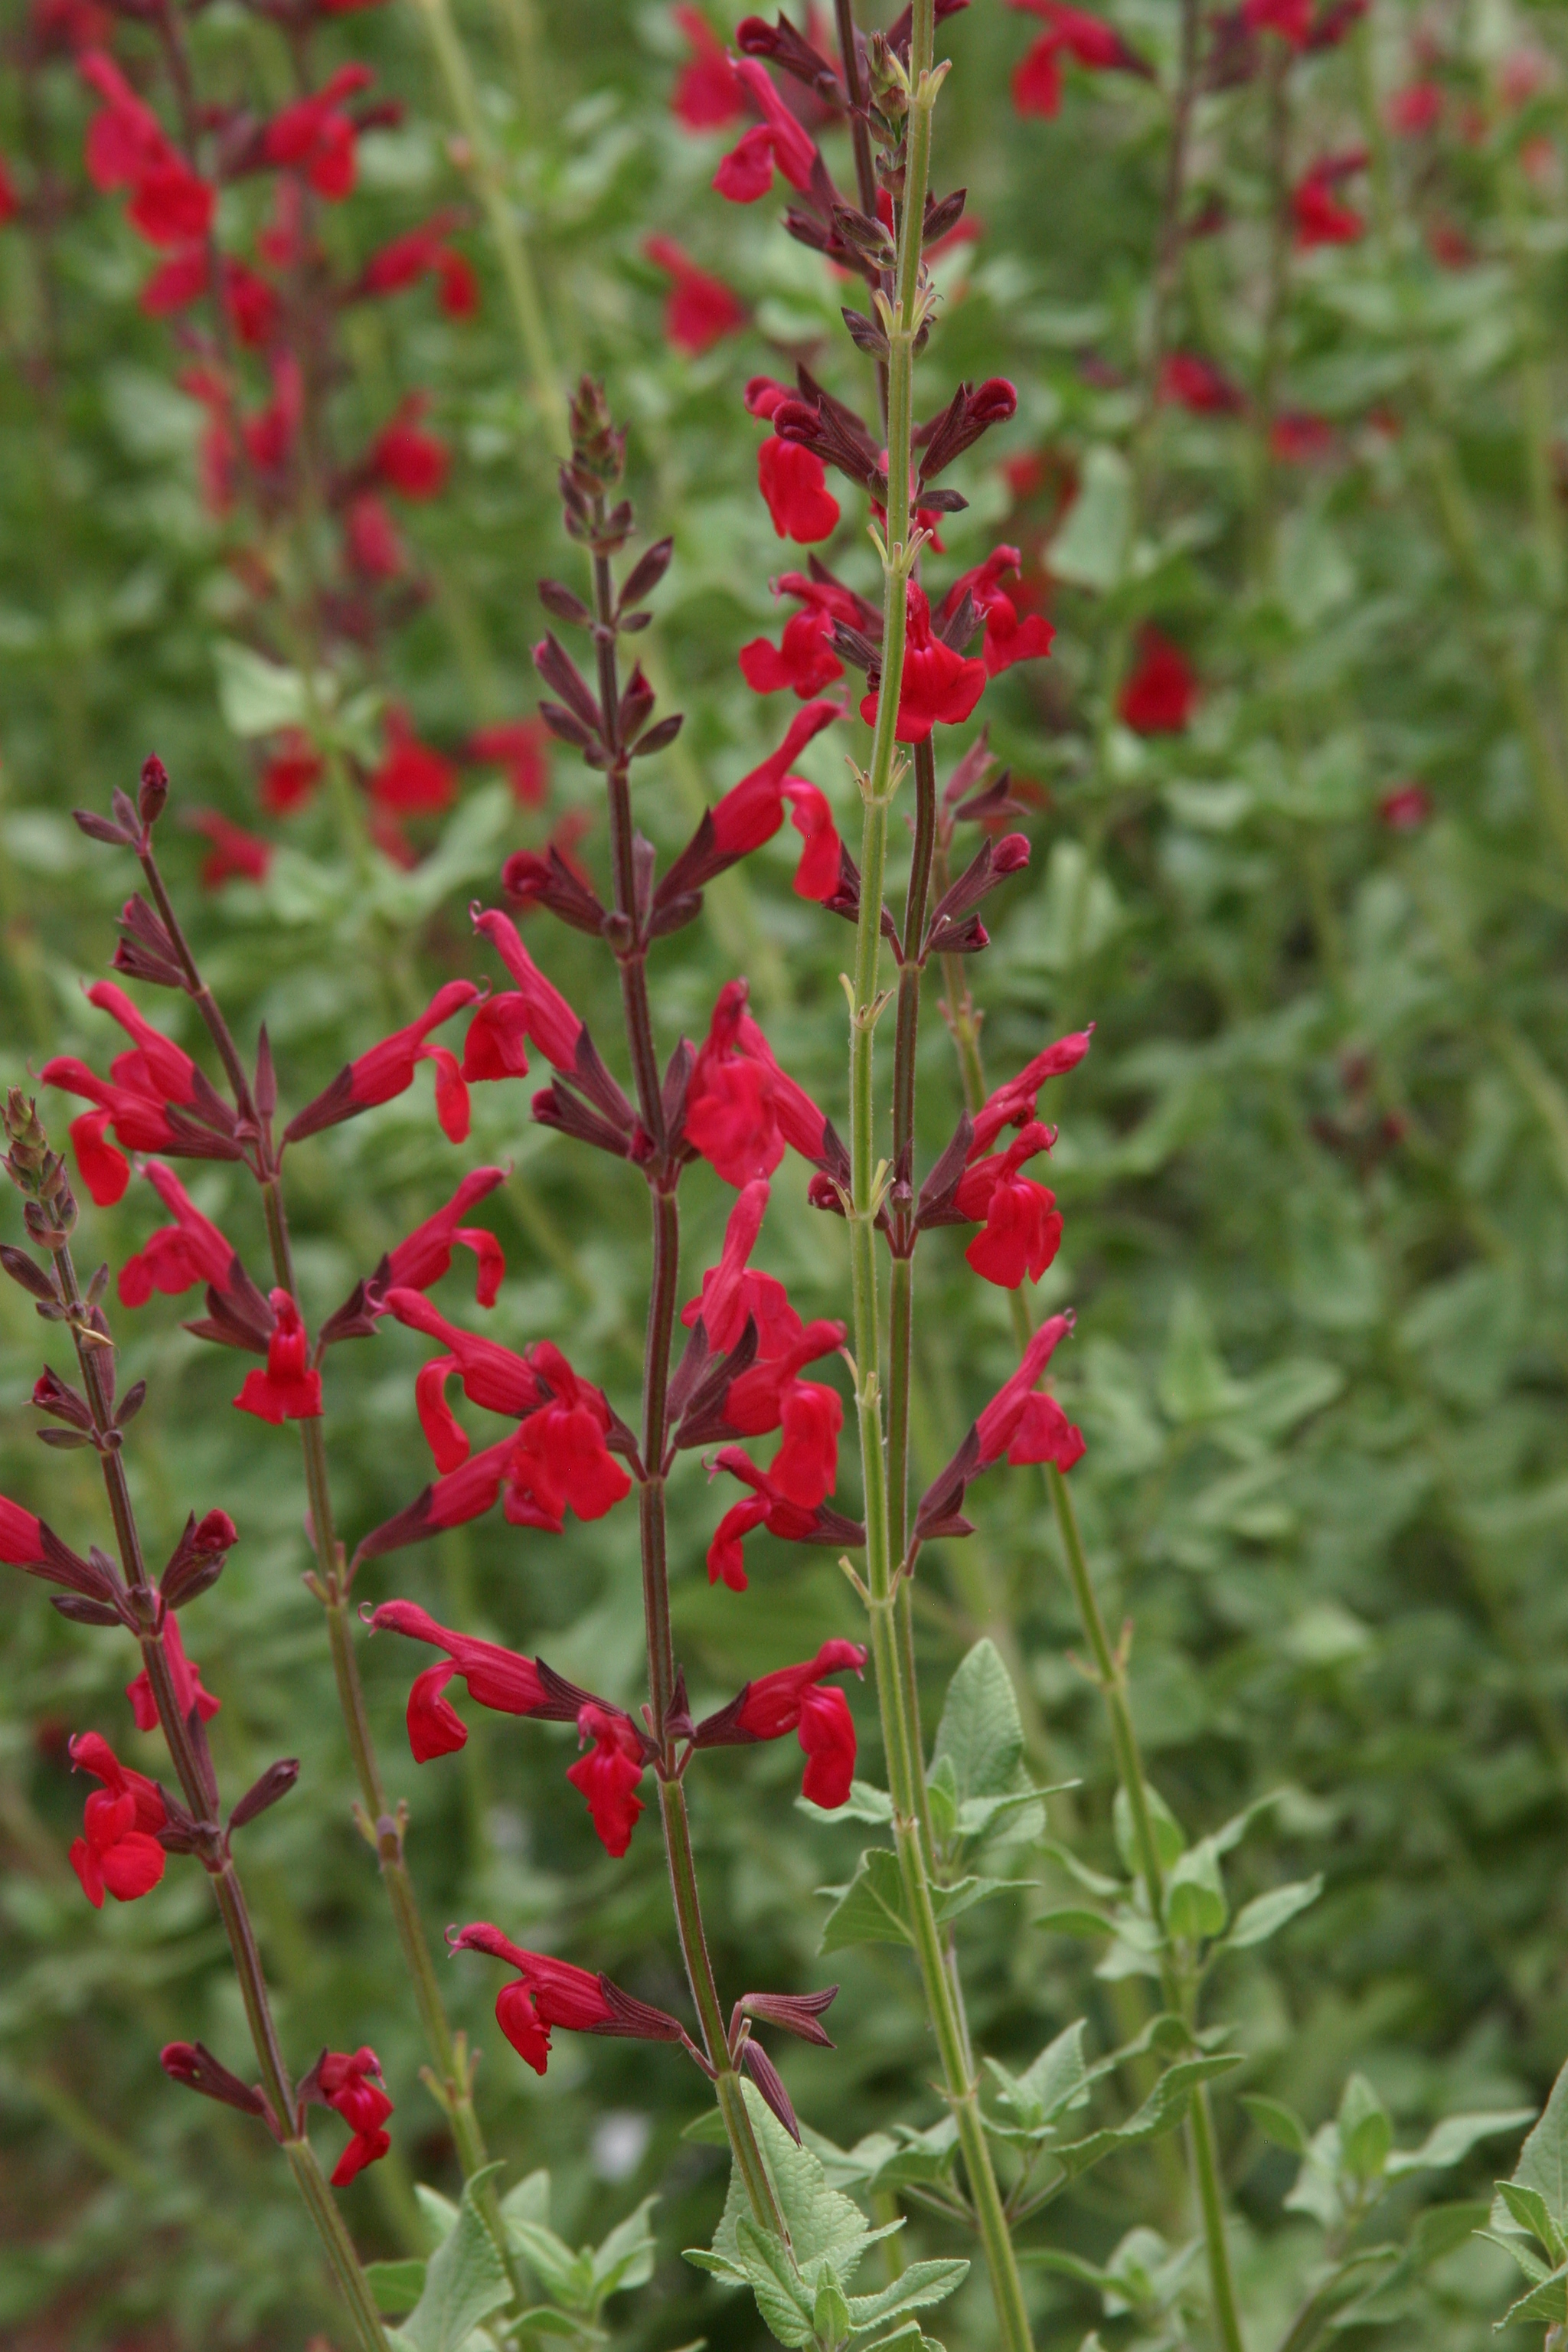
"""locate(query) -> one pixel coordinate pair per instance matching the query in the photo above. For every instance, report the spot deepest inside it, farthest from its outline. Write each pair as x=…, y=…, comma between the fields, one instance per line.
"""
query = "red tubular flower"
x=561, y=1458
x=496, y=1677
x=1291, y=19
x=1406, y=809
x=291, y=774
x=10, y=203
x=1417, y=108
x=177, y=1256
x=317, y=137
x=127, y=148
x=732, y=1293
x=1038, y=80
x=1161, y=694
x=752, y=811
x=550, y=1992
x=803, y=660
x=251, y=303
x=766, y=1507
x=1022, y=1229
x=1008, y=639
x=1088, y=40
x=747, y=172
x=342, y=2082
x=234, y=855
x=1321, y=218
x=158, y=1066
x=1013, y=1103
x=793, y=1700
x=1187, y=381
x=136, y=1114
x=289, y=1388
x=1021, y=1422
x=118, y=1850
x=407, y=460
x=388, y=1070
x=741, y=1109
x=371, y=544
x=185, y=1675
x=707, y=94
x=1297, y=438
x=608, y=1775
x=21, y=1536
x=770, y=1395
x=938, y=686
x=793, y=481
x=450, y=1501
x=702, y=309
x=494, y=1377
x=494, y=1046
x=426, y=1255
x=412, y=780
x=520, y=746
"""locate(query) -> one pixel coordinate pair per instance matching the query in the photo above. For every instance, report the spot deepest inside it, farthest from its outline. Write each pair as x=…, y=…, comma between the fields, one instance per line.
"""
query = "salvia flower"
x=1322, y=215
x=1008, y=637
x=547, y=1992
x=746, y=174
x=707, y=93
x=560, y=1460
x=794, y=1699
x=766, y=1507
x=290, y=1387
x=177, y=1256
x=792, y=479
x=803, y=660
x=1188, y=380
x=700, y=310
x=752, y=812
x=520, y=746
x=426, y=1255
x=412, y=780
x=315, y=136
x=742, y=1109
x=184, y=1673
x=494, y=1377
x=1013, y=1103
x=349, y=2083
x=1089, y=40
x=21, y=1536
x=1161, y=694
x=732, y=1294
x=118, y=1851
x=233, y=854
x=388, y=1070
x=126, y=147
x=770, y=1394
x=1023, y=1423
x=609, y=1774
x=496, y=1677
x=405, y=458
x=1023, y=1228
x=940, y=685
x=535, y=1012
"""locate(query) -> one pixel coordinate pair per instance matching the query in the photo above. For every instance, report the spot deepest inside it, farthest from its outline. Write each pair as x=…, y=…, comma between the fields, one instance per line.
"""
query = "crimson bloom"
x=793, y=481
x=1297, y=438
x=1008, y=639
x=1189, y=380
x=561, y=1459
x=938, y=686
x=535, y=1012
x=177, y=1256
x=157, y=1066
x=412, y=780
x=426, y=1255
x=746, y=174
x=419, y=253
x=1291, y=19
x=770, y=1394
x=21, y=1536
x=609, y=1774
x=547, y=1992
x=1021, y=1420
x=1161, y=694
x=387, y=1069
x=766, y=1507
x=803, y=660
x=742, y=1109
x=370, y=543
x=1089, y=40
x=342, y=2081
x=126, y=147
x=315, y=136
x=496, y=1378
x=792, y=1699
x=118, y=1850
x=185, y=1675
x=1012, y=1104
x=412, y=462
x=700, y=310
x=495, y=1677
x=233, y=854
x=251, y=303
x=752, y=811
x=290, y=1387
x=733, y=1294
x=1022, y=1229
x=1416, y=109
x=135, y=1111
x=707, y=93
x=1406, y=809
x=520, y=746
x=1322, y=217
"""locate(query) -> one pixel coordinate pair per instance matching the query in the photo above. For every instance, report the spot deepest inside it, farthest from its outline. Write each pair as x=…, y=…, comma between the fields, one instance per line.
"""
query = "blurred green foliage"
x=1315, y=1172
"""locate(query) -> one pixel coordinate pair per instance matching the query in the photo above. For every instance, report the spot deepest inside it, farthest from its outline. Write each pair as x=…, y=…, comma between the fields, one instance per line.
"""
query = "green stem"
x=312, y=2185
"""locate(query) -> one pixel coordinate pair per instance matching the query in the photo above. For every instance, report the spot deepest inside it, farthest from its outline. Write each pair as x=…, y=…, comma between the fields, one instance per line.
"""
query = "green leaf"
x=1170, y=1838
x=950, y=1901
x=1091, y=549
x=1161, y=2112
x=774, y=2282
x=1074, y=1921
x=1527, y=2208
x=1366, y=2131
x=628, y=2255
x=1438, y=2231
x=396, y=2286
x=1549, y=2301
x=1194, y=1384
x=981, y=1735
x=465, y=2281
x=1543, y=2159
x=1277, y=2122
x=1451, y=2140
x=1056, y=2080
x=870, y=1909
x=565, y=2275
x=529, y=2199
x=1195, y=1905
x=824, y=2226
x=915, y=2289
x=258, y=697
x=1267, y=1913
x=864, y=1803
x=440, y=2214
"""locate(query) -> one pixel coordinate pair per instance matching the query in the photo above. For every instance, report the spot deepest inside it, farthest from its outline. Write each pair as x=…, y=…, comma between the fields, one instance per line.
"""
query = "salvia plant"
x=897, y=649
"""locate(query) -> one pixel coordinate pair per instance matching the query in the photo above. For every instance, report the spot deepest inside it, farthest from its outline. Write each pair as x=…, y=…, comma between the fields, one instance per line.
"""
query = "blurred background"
x=1296, y=778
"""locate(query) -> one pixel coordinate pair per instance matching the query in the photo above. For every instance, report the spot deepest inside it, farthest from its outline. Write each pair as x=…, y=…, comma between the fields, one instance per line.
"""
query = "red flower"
x=770, y=1395
x=752, y=811
x=371, y=544
x=251, y=303
x=1021, y=1422
x=1008, y=639
x=177, y=1256
x=419, y=253
x=184, y=1673
x=1291, y=19
x=1022, y=1230
x=707, y=94
x=493, y=1377
x=1087, y=39
x=938, y=686
x=21, y=1536
x=234, y=855
x=314, y=135
x=1297, y=438
x=1188, y=380
x=134, y=1109
x=1416, y=109
x=412, y=463
x=412, y=780
x=426, y=1255
x=1161, y=694
x=747, y=172
x=466, y=1493
x=128, y=148
x=496, y=1677
x=608, y=1775
x=388, y=1070
x=804, y=659
x=290, y=1388
x=158, y=1066
x=520, y=746
x=560, y=1458
x=741, y=1107
x=1013, y=1103
x=766, y=1507
x=342, y=2083
x=550, y=1992
x=535, y=1010
x=702, y=309
x=793, y=1700
x=793, y=481
x=1038, y=80
x=1320, y=217
x=118, y=1849
x=1406, y=809
x=731, y=1292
